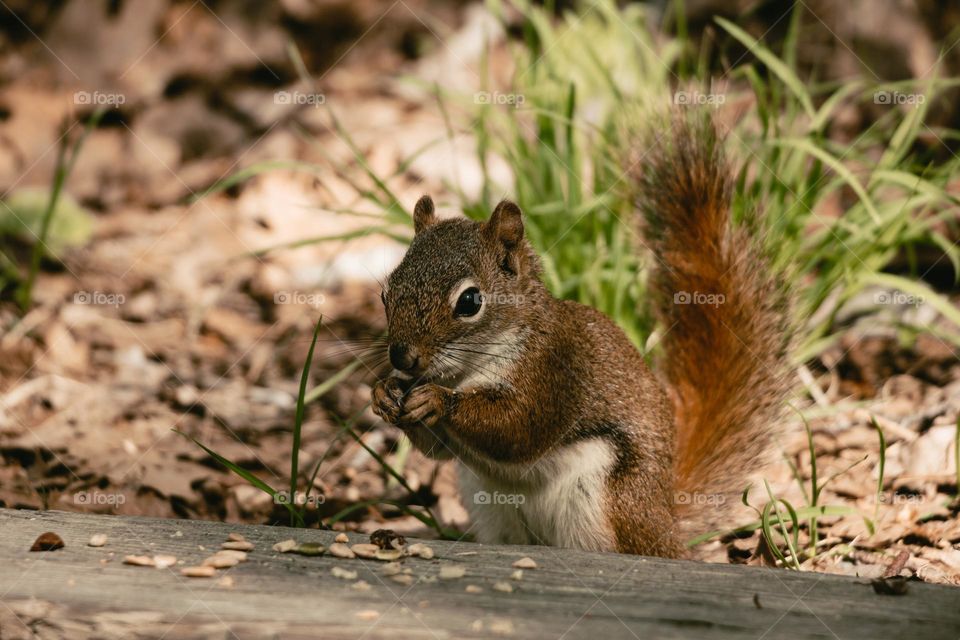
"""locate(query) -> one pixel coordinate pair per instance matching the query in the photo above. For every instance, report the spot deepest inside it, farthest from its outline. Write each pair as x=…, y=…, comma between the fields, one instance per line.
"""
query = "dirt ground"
x=163, y=320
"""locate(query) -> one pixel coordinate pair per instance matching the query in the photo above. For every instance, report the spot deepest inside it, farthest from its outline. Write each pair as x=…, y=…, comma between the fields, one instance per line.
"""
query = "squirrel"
x=564, y=434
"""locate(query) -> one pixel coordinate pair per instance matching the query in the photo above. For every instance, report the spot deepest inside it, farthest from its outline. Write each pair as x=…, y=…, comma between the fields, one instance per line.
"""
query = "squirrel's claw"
x=424, y=405
x=386, y=402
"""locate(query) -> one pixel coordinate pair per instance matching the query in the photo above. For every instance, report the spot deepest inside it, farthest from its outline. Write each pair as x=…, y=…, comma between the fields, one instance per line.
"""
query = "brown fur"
x=531, y=376
x=725, y=363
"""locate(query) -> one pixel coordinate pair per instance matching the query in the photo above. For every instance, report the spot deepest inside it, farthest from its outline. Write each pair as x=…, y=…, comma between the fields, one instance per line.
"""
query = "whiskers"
x=370, y=350
x=487, y=361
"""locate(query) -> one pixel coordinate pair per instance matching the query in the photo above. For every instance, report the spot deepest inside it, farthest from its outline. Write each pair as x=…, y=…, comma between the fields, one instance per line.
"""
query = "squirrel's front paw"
x=425, y=405
x=388, y=399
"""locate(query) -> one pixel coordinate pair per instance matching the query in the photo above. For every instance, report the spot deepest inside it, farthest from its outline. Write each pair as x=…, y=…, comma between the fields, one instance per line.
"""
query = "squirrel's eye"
x=469, y=303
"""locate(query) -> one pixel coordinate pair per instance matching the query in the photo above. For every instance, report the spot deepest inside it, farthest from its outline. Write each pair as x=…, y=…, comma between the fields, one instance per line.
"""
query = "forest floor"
x=164, y=320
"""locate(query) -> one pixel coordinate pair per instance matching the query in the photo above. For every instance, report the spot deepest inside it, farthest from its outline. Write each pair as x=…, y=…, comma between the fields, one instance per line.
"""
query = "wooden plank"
x=80, y=591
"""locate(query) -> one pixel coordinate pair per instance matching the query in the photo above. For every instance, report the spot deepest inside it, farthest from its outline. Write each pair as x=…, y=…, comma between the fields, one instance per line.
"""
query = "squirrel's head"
x=455, y=303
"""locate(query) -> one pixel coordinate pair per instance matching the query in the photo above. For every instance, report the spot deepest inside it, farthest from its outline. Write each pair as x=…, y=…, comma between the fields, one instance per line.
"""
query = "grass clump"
x=584, y=82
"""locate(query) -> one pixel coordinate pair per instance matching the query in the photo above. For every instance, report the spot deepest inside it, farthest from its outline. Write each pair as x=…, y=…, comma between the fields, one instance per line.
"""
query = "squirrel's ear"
x=505, y=230
x=423, y=214
x=505, y=225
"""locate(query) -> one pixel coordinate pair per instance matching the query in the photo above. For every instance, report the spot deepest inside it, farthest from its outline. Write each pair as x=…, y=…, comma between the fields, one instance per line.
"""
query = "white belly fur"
x=559, y=500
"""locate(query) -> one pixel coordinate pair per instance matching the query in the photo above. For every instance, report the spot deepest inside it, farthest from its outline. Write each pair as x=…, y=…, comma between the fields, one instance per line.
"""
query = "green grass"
x=592, y=80
x=50, y=225
x=290, y=500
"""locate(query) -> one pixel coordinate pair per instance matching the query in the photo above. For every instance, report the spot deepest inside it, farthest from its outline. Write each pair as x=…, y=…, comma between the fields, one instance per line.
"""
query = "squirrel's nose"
x=403, y=357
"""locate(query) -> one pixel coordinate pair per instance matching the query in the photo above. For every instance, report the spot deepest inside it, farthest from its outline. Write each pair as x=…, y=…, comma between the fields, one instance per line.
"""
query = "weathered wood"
x=81, y=591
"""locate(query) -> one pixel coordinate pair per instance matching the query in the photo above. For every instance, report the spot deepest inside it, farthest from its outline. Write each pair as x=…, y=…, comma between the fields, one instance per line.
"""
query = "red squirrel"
x=564, y=435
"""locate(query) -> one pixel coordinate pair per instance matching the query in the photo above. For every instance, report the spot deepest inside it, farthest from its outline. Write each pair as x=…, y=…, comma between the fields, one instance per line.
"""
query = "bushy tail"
x=724, y=317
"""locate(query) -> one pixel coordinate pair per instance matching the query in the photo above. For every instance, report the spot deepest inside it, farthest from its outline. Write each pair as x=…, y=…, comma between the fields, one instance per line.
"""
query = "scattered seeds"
x=218, y=561
x=340, y=550
x=503, y=586
x=389, y=555
x=310, y=549
x=517, y=575
x=164, y=561
x=240, y=556
x=343, y=574
x=342, y=538
x=420, y=549
x=48, y=541
x=365, y=550
x=286, y=546
x=139, y=561
x=525, y=563
x=235, y=537
x=226, y=582
x=198, y=572
x=472, y=588
x=367, y=614
x=452, y=571
x=387, y=539
x=237, y=545
x=403, y=579
x=97, y=540
x=360, y=585
x=391, y=569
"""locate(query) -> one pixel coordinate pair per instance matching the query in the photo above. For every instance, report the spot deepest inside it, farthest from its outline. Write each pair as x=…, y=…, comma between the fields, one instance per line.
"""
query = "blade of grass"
x=775, y=64
x=249, y=477
x=883, y=461
x=822, y=511
x=332, y=381
x=390, y=470
x=792, y=542
x=62, y=170
x=298, y=418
